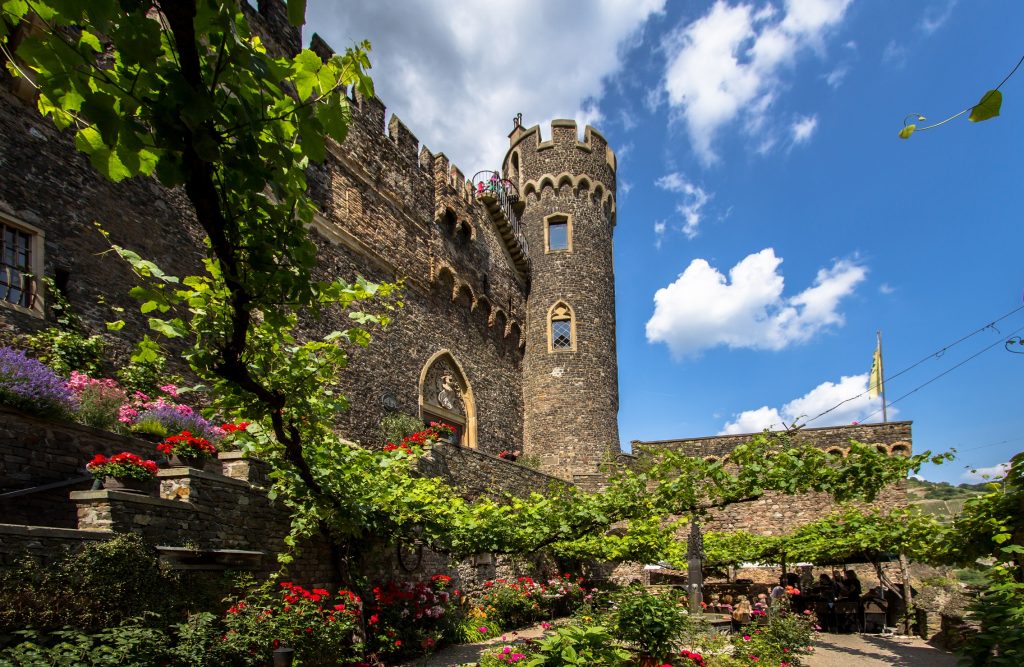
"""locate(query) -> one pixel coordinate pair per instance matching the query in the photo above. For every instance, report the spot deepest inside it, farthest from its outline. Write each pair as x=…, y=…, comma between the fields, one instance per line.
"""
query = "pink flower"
x=170, y=389
x=126, y=414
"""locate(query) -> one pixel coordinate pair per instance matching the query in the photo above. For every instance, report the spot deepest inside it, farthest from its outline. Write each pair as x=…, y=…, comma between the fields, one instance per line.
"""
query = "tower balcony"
x=500, y=197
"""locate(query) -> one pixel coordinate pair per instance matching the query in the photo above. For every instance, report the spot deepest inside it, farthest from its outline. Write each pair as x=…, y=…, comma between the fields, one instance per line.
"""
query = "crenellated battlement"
x=564, y=139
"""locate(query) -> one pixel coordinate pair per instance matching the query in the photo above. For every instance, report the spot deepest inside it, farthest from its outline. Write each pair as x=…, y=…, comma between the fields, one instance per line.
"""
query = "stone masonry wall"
x=35, y=452
x=572, y=397
x=777, y=513
x=221, y=507
x=390, y=211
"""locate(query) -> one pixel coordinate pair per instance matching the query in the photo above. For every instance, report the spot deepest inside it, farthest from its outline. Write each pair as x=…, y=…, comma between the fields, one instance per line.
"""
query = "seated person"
x=726, y=606
x=762, y=602
x=741, y=614
x=851, y=586
x=825, y=587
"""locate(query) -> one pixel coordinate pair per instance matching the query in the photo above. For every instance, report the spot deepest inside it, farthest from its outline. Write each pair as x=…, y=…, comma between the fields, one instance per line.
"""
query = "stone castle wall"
x=389, y=211
x=572, y=412
x=777, y=513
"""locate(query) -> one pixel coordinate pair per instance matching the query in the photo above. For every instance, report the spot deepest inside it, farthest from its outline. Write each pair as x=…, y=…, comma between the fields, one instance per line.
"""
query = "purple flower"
x=176, y=421
x=31, y=385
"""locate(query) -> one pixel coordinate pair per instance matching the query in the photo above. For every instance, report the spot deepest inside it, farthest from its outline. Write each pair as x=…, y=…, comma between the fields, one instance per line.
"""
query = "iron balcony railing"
x=501, y=199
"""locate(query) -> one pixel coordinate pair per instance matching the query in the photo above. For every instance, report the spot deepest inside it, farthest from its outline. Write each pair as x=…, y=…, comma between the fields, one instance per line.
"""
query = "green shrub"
x=579, y=646
x=1000, y=612
x=66, y=350
x=146, y=375
x=150, y=426
x=99, y=405
x=508, y=606
x=397, y=425
x=318, y=625
x=783, y=638
x=652, y=622
x=100, y=586
x=128, y=645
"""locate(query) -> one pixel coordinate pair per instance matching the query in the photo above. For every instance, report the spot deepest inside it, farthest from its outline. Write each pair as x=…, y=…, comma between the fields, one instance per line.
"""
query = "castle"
x=508, y=328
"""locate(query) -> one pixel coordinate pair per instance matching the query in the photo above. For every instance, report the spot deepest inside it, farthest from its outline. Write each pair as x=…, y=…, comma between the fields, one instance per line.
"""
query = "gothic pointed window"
x=561, y=328
x=446, y=396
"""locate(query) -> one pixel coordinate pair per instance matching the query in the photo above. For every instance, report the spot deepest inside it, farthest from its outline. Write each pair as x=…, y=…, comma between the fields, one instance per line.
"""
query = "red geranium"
x=124, y=465
x=185, y=444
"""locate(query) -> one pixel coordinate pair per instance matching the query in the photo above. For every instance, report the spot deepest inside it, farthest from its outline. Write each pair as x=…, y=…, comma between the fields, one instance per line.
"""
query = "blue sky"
x=770, y=220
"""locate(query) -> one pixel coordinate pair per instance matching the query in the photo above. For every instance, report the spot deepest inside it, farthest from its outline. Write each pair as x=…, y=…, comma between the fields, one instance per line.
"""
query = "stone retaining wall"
x=35, y=452
x=221, y=507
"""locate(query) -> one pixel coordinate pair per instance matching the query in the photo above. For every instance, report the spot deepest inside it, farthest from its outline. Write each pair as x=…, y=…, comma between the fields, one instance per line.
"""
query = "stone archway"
x=445, y=395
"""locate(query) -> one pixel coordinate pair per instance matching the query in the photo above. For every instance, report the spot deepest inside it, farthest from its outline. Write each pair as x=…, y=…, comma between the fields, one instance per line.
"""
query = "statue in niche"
x=449, y=392
x=446, y=388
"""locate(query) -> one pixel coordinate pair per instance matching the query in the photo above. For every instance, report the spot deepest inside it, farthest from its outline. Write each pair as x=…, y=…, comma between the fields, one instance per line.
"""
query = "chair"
x=848, y=616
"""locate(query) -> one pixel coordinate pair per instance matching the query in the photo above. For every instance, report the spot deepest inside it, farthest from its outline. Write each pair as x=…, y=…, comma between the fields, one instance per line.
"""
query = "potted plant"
x=123, y=472
x=186, y=449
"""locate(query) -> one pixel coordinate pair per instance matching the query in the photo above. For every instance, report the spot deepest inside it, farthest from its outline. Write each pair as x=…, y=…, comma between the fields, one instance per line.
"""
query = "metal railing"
x=491, y=187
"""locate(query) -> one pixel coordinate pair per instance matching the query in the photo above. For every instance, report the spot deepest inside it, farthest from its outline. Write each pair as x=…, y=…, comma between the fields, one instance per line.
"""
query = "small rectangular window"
x=558, y=235
x=20, y=266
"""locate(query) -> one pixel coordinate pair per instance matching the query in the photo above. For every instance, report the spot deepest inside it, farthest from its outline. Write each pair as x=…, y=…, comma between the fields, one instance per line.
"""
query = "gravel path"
x=874, y=651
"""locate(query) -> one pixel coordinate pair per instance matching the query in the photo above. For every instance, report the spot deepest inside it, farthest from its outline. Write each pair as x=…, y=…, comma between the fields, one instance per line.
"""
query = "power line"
x=934, y=355
x=945, y=372
x=991, y=444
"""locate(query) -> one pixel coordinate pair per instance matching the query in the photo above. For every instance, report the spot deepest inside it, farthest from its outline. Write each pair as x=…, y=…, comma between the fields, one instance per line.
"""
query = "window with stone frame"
x=21, y=265
x=558, y=233
x=561, y=329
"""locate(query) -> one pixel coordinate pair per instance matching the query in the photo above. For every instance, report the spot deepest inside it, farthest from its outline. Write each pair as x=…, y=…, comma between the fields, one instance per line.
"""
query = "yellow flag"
x=875, y=377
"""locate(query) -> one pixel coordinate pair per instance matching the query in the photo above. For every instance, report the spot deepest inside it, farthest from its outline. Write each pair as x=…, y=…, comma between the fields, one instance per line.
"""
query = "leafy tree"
x=185, y=91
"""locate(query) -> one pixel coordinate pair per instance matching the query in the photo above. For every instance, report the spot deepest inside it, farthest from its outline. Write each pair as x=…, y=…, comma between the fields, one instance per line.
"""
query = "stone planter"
x=129, y=484
x=185, y=461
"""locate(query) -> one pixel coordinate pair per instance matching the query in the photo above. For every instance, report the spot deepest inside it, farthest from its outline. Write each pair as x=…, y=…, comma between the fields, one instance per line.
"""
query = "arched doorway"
x=446, y=396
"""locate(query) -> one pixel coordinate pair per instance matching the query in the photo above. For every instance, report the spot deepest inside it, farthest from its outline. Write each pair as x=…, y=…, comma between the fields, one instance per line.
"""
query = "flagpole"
x=881, y=376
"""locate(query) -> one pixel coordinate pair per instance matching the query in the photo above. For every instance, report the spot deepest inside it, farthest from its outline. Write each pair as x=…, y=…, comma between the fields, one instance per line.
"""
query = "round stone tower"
x=570, y=373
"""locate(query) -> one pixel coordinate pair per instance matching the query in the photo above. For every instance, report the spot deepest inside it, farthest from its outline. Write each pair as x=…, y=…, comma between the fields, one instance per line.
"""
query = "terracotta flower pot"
x=130, y=484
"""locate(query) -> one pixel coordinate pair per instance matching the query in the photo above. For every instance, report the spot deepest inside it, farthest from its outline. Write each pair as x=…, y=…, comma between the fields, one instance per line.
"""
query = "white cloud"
x=894, y=54
x=936, y=16
x=703, y=309
x=799, y=410
x=692, y=201
x=457, y=72
x=728, y=63
x=659, y=232
x=835, y=78
x=803, y=128
x=886, y=288
x=976, y=475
